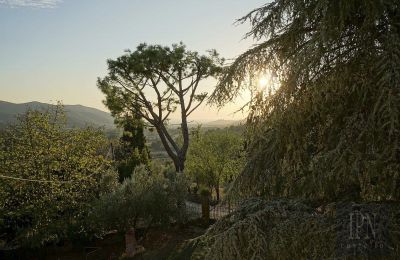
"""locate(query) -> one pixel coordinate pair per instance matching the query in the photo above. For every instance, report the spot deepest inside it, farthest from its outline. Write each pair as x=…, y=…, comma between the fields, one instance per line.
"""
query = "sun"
x=263, y=82
x=267, y=83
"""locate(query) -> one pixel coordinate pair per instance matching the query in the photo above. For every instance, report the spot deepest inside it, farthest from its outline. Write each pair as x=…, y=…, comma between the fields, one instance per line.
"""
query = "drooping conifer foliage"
x=331, y=130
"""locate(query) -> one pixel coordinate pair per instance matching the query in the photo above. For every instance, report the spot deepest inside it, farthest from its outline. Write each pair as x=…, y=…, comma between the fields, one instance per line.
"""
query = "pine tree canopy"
x=331, y=129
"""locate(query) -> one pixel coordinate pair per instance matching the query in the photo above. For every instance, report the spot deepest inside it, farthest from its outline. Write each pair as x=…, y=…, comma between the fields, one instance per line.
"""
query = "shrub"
x=147, y=198
x=50, y=176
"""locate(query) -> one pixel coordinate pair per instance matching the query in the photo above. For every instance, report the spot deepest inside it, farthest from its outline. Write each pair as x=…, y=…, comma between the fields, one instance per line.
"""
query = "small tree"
x=215, y=157
x=131, y=150
x=155, y=81
x=149, y=197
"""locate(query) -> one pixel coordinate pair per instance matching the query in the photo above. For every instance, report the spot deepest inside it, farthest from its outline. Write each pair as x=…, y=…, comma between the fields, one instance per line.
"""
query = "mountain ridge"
x=77, y=115
x=80, y=115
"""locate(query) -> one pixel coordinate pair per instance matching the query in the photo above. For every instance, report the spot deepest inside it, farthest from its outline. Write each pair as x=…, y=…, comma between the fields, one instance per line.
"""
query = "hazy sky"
x=54, y=50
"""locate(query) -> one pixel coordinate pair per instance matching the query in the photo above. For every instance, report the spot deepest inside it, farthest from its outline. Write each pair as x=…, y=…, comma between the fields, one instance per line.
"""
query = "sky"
x=54, y=50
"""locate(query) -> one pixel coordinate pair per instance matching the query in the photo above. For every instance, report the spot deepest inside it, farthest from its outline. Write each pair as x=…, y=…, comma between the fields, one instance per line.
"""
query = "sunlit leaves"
x=60, y=169
x=215, y=157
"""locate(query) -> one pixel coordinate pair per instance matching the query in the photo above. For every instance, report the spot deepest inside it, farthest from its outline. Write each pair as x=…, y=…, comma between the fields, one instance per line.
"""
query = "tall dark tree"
x=332, y=129
x=155, y=81
x=133, y=133
x=131, y=150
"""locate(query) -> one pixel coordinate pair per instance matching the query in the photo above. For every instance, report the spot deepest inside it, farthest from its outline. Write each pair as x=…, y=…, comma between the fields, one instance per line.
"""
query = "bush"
x=50, y=177
x=147, y=198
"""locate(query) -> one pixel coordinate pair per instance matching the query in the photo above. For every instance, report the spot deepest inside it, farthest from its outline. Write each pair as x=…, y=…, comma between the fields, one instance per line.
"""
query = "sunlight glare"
x=266, y=83
x=263, y=82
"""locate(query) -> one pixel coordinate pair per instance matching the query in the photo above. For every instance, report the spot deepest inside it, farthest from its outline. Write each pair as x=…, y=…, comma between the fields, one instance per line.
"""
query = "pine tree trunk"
x=179, y=164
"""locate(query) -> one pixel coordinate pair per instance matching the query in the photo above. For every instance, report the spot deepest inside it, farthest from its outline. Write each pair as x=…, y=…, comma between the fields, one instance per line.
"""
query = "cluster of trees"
x=60, y=184
x=49, y=177
x=330, y=132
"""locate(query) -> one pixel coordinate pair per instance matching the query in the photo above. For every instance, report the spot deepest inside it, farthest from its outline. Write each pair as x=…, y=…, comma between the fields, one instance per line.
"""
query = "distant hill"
x=77, y=115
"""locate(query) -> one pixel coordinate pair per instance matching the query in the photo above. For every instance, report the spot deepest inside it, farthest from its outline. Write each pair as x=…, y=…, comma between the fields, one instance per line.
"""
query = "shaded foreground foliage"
x=285, y=229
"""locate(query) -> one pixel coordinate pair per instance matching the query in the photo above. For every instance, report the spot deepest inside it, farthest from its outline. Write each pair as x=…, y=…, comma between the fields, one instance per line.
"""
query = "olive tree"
x=215, y=157
x=147, y=197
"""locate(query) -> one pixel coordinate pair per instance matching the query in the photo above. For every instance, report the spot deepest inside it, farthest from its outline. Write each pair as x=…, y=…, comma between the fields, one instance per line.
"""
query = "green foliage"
x=126, y=166
x=204, y=192
x=331, y=129
x=49, y=177
x=285, y=229
x=146, y=198
x=155, y=81
x=215, y=157
x=131, y=150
